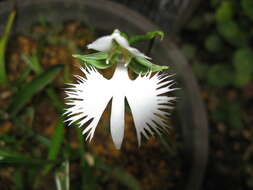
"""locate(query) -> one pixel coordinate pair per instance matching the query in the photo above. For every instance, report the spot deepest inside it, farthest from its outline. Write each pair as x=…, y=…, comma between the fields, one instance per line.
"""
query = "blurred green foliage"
x=227, y=37
x=218, y=43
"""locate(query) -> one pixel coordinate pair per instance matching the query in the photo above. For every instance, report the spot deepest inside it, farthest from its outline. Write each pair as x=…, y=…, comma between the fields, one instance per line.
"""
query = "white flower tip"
x=149, y=58
x=116, y=31
x=90, y=46
x=118, y=146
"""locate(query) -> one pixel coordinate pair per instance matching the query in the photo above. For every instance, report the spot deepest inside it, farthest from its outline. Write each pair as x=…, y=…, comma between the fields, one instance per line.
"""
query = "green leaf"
x=62, y=177
x=225, y=11
x=55, y=144
x=200, y=70
x=143, y=66
x=87, y=172
x=147, y=36
x=9, y=154
x=247, y=6
x=27, y=131
x=138, y=68
x=15, y=158
x=93, y=56
x=3, y=44
x=95, y=59
x=56, y=102
x=123, y=176
x=243, y=63
x=220, y=75
x=33, y=62
x=22, y=77
x=213, y=43
x=232, y=33
x=98, y=64
x=228, y=29
x=189, y=50
x=18, y=179
x=23, y=96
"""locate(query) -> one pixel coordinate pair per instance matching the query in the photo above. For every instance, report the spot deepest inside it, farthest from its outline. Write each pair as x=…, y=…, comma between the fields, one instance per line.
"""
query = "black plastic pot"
x=106, y=15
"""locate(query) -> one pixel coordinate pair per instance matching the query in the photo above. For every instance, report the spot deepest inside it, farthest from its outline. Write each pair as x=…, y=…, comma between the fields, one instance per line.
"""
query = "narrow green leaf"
x=88, y=179
x=9, y=154
x=15, y=158
x=66, y=74
x=3, y=43
x=55, y=144
x=23, y=96
x=56, y=102
x=27, y=131
x=33, y=62
x=18, y=179
x=124, y=177
x=142, y=66
x=62, y=177
x=138, y=68
x=147, y=36
x=94, y=56
x=22, y=77
x=97, y=60
x=98, y=64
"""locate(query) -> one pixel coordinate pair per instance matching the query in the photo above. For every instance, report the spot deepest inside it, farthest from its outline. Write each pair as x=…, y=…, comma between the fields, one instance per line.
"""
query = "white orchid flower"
x=88, y=98
x=105, y=44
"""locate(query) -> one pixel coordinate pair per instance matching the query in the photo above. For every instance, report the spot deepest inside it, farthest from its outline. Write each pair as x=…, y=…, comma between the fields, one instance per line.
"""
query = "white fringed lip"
x=88, y=98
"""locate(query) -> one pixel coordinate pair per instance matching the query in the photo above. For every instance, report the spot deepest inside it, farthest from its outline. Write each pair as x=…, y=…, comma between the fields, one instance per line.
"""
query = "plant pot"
x=106, y=16
x=171, y=15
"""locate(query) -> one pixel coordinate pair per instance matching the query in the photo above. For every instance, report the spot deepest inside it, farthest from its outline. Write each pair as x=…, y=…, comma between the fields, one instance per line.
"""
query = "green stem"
x=150, y=46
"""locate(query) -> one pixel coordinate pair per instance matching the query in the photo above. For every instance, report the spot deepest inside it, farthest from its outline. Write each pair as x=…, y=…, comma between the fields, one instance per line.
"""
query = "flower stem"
x=150, y=46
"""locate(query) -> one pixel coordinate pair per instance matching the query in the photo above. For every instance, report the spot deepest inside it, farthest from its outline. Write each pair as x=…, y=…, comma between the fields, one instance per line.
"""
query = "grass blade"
x=55, y=100
x=88, y=180
x=62, y=177
x=18, y=179
x=55, y=144
x=33, y=62
x=15, y=158
x=22, y=77
x=3, y=42
x=30, y=89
